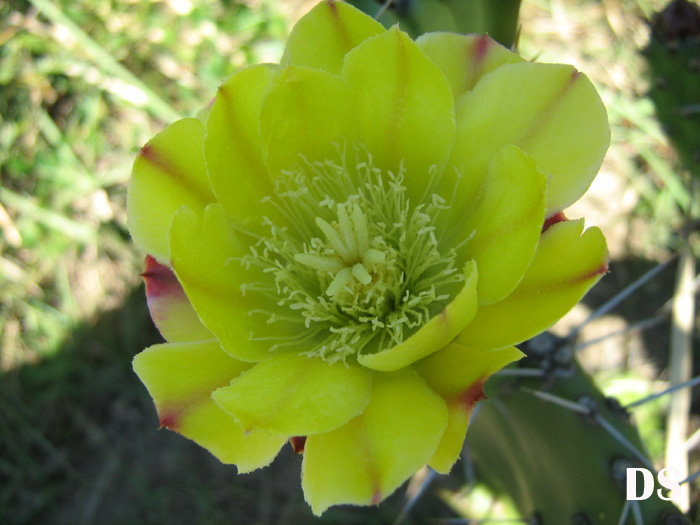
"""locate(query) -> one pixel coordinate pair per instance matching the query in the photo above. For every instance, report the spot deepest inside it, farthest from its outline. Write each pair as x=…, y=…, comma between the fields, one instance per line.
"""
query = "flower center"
x=356, y=272
x=360, y=266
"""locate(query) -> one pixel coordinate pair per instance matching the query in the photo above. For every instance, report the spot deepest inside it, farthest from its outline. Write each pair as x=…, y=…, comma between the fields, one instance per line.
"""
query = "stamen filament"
x=360, y=265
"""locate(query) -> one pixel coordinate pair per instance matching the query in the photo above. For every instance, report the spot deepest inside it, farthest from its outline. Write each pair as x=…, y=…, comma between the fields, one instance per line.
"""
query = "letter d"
x=632, y=483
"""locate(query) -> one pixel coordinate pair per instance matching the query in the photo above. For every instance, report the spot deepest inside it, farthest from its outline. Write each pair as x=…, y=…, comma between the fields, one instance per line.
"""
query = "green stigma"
x=362, y=268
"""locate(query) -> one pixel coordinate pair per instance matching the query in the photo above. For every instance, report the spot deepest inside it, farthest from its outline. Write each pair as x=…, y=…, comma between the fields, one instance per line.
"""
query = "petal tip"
x=298, y=443
x=552, y=220
x=376, y=496
x=482, y=45
x=472, y=395
x=169, y=419
x=159, y=279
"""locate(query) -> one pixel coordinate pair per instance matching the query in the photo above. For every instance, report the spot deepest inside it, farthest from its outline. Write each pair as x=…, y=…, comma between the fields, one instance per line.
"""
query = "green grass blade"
x=154, y=104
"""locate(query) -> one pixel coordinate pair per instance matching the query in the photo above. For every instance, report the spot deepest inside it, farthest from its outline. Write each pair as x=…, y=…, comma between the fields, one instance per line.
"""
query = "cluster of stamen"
x=349, y=259
x=361, y=268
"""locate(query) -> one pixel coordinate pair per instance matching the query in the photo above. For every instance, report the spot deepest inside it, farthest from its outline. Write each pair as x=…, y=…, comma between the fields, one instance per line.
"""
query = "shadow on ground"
x=79, y=444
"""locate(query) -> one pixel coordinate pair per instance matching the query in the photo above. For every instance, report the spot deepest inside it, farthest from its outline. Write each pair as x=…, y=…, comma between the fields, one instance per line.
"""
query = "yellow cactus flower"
x=346, y=245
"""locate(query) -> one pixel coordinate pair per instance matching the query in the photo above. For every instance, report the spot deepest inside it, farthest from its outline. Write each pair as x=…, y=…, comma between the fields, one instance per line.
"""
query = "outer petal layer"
x=464, y=59
x=206, y=258
x=458, y=375
x=373, y=454
x=565, y=266
x=551, y=111
x=296, y=395
x=435, y=334
x=339, y=26
x=404, y=107
x=453, y=371
x=505, y=225
x=232, y=144
x=168, y=173
x=170, y=309
x=180, y=378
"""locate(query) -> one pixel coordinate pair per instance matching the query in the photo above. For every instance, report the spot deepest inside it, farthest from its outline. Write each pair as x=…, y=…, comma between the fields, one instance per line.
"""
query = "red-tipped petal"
x=170, y=309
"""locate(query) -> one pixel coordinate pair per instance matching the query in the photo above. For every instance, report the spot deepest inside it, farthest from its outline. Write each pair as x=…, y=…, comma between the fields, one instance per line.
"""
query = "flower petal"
x=551, y=111
x=453, y=371
x=168, y=173
x=206, y=253
x=170, y=309
x=505, y=225
x=435, y=334
x=404, y=107
x=464, y=59
x=366, y=460
x=296, y=395
x=452, y=441
x=563, y=269
x=232, y=144
x=305, y=114
x=322, y=37
x=458, y=374
x=180, y=378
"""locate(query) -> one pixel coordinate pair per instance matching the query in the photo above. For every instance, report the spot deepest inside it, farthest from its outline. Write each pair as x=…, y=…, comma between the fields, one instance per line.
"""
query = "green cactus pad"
x=561, y=462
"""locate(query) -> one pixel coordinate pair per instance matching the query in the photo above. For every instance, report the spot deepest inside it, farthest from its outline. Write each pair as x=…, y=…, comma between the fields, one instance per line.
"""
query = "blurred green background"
x=83, y=85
